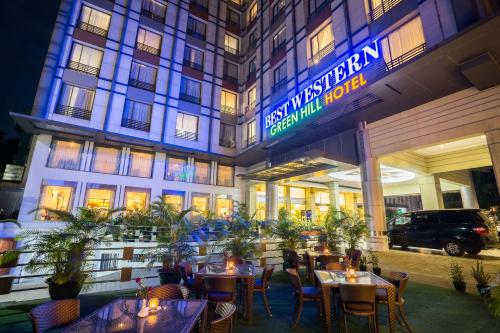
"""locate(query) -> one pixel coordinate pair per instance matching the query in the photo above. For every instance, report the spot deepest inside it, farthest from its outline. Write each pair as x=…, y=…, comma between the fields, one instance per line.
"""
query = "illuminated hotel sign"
x=323, y=91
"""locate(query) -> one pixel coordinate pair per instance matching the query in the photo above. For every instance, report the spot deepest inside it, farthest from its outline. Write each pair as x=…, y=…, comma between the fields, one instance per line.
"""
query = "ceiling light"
x=390, y=175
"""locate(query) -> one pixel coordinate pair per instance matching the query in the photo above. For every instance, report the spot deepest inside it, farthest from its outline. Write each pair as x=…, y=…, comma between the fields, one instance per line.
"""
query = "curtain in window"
x=224, y=175
x=177, y=169
x=186, y=122
x=106, y=160
x=403, y=40
x=231, y=42
x=193, y=55
x=322, y=39
x=201, y=172
x=252, y=96
x=154, y=7
x=54, y=197
x=65, y=155
x=228, y=132
x=140, y=164
x=280, y=73
x=149, y=38
x=174, y=200
x=136, y=200
x=86, y=55
x=251, y=129
x=77, y=97
x=228, y=99
x=230, y=69
x=143, y=73
x=95, y=18
x=191, y=88
x=253, y=12
x=196, y=26
x=137, y=111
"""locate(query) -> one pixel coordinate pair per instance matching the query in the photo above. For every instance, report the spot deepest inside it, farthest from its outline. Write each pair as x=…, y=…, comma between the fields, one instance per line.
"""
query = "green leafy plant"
x=493, y=301
x=332, y=228
x=363, y=261
x=354, y=229
x=456, y=272
x=287, y=231
x=482, y=278
x=9, y=257
x=374, y=259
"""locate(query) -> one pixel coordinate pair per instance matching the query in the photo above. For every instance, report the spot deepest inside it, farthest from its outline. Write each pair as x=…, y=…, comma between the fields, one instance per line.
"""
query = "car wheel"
x=473, y=251
x=454, y=249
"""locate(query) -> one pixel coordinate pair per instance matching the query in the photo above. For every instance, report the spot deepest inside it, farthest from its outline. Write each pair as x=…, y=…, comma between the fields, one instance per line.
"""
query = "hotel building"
x=378, y=105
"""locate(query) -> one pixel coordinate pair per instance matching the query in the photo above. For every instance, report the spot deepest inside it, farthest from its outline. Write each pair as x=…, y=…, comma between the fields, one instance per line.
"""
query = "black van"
x=455, y=230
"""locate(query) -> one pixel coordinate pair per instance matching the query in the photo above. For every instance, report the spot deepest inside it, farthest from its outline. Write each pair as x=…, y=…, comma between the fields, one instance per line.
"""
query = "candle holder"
x=154, y=305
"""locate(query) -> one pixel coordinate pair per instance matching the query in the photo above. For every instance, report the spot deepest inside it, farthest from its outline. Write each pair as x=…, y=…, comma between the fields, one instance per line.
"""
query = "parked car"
x=455, y=230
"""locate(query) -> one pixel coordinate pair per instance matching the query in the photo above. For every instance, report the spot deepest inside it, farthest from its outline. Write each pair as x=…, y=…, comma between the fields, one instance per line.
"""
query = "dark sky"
x=25, y=30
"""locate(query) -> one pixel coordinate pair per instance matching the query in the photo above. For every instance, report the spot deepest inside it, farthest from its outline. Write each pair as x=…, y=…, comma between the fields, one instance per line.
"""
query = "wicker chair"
x=302, y=294
x=262, y=285
x=359, y=300
x=220, y=288
x=323, y=260
x=309, y=263
x=400, y=280
x=170, y=291
x=292, y=258
x=355, y=257
x=335, y=266
x=54, y=314
x=222, y=318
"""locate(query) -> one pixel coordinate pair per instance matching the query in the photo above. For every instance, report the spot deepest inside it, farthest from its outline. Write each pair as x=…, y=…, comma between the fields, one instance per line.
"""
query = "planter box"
x=6, y=284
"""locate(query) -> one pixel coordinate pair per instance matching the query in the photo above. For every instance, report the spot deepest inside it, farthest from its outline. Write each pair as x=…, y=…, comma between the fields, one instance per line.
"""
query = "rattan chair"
x=309, y=263
x=302, y=294
x=323, y=260
x=335, y=266
x=221, y=319
x=170, y=291
x=220, y=288
x=355, y=257
x=359, y=300
x=262, y=285
x=400, y=280
x=54, y=314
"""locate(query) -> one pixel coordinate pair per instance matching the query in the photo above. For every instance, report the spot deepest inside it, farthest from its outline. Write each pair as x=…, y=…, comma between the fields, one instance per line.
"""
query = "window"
x=100, y=197
x=231, y=44
x=196, y=28
x=404, y=43
x=376, y=8
x=200, y=3
x=297, y=202
x=154, y=10
x=186, y=126
x=252, y=67
x=65, y=155
x=316, y=5
x=142, y=76
x=193, y=58
x=225, y=175
x=140, y=164
x=190, y=90
x=76, y=102
x=426, y=218
x=174, y=199
x=223, y=207
x=252, y=40
x=260, y=201
x=279, y=41
x=322, y=43
x=106, y=160
x=278, y=9
x=177, y=169
x=148, y=41
x=94, y=21
x=230, y=72
x=253, y=13
x=252, y=97
x=201, y=172
x=251, y=133
x=282, y=197
x=85, y=59
x=280, y=77
x=136, y=199
x=228, y=102
x=227, y=135
x=199, y=203
x=136, y=115
x=322, y=203
x=402, y=220
x=232, y=18
x=55, y=197
x=108, y=261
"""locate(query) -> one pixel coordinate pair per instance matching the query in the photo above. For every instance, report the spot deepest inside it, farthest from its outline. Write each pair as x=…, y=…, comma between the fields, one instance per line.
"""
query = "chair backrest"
x=294, y=278
x=54, y=314
x=355, y=255
x=292, y=257
x=186, y=270
x=222, y=318
x=220, y=284
x=267, y=273
x=359, y=297
x=400, y=280
x=326, y=259
x=170, y=291
x=335, y=266
x=319, y=248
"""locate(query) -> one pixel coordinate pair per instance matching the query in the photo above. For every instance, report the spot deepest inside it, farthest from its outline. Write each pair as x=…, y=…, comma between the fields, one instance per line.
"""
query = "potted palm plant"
x=363, y=264
x=457, y=276
x=375, y=261
x=332, y=228
x=354, y=229
x=482, y=278
x=289, y=234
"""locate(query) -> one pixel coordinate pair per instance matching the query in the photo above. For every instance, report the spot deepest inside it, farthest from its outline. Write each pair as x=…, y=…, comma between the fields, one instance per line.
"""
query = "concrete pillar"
x=468, y=193
x=334, y=194
x=493, y=140
x=311, y=203
x=430, y=191
x=373, y=197
x=271, y=201
x=251, y=198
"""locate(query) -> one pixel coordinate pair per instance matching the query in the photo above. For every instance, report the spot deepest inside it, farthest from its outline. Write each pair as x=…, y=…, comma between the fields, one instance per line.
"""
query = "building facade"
x=370, y=105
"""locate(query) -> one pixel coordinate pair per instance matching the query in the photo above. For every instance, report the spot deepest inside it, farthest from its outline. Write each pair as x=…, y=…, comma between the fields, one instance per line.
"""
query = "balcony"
x=186, y=135
x=252, y=75
x=384, y=7
x=228, y=109
x=79, y=67
x=192, y=64
x=74, y=112
x=154, y=16
x=189, y=98
x=277, y=49
x=136, y=124
x=230, y=78
x=147, y=48
x=231, y=50
x=141, y=84
x=316, y=58
x=280, y=84
x=392, y=63
x=251, y=140
x=196, y=34
x=228, y=143
x=93, y=29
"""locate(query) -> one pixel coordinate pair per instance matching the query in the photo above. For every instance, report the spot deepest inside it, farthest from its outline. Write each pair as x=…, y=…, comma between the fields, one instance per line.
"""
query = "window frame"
x=118, y=159
x=217, y=176
x=51, y=152
x=137, y=151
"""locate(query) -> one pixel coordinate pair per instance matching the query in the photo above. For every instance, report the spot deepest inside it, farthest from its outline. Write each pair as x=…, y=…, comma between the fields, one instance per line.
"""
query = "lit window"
x=56, y=198
x=65, y=155
x=76, y=102
x=376, y=8
x=94, y=21
x=321, y=198
x=177, y=169
x=196, y=28
x=193, y=58
x=148, y=41
x=136, y=115
x=142, y=76
x=202, y=172
x=136, y=199
x=190, y=91
x=253, y=12
x=322, y=43
x=85, y=59
x=186, y=126
x=228, y=102
x=225, y=175
x=98, y=198
x=223, y=208
x=279, y=41
x=260, y=201
x=297, y=202
x=176, y=200
x=140, y=164
x=106, y=160
x=252, y=97
x=251, y=133
x=227, y=135
x=199, y=204
x=231, y=44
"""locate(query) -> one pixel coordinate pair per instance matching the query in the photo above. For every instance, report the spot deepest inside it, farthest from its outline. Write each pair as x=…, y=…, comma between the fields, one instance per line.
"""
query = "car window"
x=425, y=218
x=402, y=220
x=459, y=217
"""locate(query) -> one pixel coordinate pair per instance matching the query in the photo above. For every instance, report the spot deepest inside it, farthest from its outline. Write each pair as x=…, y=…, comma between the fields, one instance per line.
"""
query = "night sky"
x=25, y=29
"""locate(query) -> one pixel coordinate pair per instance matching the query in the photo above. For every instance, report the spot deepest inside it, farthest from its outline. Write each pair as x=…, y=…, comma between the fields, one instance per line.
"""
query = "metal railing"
x=79, y=67
x=201, y=180
x=228, y=109
x=278, y=48
x=192, y=64
x=230, y=78
x=147, y=48
x=93, y=29
x=190, y=98
x=186, y=135
x=231, y=50
x=136, y=124
x=251, y=140
x=322, y=53
x=391, y=64
x=141, y=84
x=384, y=7
x=154, y=16
x=74, y=112
x=279, y=85
x=196, y=34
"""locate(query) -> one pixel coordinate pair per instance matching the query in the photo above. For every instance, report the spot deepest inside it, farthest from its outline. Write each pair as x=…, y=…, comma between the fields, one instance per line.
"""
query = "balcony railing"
x=93, y=29
x=230, y=78
x=228, y=143
x=190, y=98
x=192, y=64
x=278, y=48
x=381, y=9
x=405, y=57
x=228, y=109
x=231, y=50
x=186, y=135
x=196, y=34
x=79, y=67
x=74, y=112
x=154, y=16
x=147, y=48
x=322, y=53
x=279, y=85
x=136, y=124
x=251, y=140
x=141, y=84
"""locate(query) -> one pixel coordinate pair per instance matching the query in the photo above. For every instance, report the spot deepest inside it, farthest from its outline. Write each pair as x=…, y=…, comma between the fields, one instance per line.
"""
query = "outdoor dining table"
x=173, y=316
x=244, y=272
x=332, y=279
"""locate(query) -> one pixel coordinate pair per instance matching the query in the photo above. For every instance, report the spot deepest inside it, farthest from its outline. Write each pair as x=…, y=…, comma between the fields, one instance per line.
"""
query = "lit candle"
x=352, y=272
x=154, y=303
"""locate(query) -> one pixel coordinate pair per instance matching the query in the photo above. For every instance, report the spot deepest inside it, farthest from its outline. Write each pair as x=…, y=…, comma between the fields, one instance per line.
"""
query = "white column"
x=493, y=140
x=250, y=198
x=468, y=194
x=430, y=191
x=334, y=194
x=373, y=197
x=271, y=201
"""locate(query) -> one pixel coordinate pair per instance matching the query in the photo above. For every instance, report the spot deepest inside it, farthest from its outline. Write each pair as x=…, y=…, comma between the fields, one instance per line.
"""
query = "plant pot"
x=169, y=276
x=70, y=289
x=459, y=286
x=5, y=284
x=480, y=287
x=377, y=271
x=363, y=268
